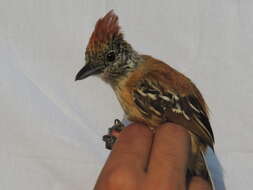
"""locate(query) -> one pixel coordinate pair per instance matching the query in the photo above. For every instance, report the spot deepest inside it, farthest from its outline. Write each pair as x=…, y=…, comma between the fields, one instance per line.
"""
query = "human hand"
x=143, y=160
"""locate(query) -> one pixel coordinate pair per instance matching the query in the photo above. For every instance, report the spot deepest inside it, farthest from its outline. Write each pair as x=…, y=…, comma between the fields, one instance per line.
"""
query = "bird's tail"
x=206, y=170
x=199, y=167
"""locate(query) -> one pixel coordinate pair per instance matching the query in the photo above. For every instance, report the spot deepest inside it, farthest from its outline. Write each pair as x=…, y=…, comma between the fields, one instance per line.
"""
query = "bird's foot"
x=113, y=133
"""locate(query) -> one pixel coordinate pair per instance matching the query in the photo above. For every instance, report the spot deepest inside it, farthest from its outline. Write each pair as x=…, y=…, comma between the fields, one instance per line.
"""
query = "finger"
x=169, y=155
x=197, y=183
x=131, y=150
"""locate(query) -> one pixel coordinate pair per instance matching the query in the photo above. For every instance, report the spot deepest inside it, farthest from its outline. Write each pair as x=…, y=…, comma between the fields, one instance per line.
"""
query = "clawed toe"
x=113, y=133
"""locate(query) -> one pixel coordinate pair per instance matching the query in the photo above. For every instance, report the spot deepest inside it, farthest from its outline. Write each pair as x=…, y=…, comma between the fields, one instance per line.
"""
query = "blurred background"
x=51, y=127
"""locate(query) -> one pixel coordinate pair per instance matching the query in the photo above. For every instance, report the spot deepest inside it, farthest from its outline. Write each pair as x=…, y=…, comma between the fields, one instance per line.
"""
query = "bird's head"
x=107, y=54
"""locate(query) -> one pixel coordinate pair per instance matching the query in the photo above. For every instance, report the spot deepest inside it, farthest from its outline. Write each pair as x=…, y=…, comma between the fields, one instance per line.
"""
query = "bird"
x=149, y=91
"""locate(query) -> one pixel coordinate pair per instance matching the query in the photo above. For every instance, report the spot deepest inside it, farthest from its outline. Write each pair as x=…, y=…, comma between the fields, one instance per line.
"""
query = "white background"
x=51, y=126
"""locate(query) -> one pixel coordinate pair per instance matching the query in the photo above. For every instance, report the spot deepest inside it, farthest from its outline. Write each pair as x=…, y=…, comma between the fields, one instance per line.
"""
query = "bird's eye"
x=110, y=56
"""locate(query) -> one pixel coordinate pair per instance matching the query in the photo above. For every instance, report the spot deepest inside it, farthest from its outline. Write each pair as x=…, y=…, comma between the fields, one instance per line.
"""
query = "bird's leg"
x=113, y=133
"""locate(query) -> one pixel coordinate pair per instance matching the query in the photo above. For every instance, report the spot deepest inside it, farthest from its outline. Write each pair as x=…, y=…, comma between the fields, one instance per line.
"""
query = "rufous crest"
x=105, y=29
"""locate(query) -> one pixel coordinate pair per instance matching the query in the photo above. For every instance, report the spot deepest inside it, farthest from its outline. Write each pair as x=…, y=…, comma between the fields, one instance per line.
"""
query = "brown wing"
x=172, y=100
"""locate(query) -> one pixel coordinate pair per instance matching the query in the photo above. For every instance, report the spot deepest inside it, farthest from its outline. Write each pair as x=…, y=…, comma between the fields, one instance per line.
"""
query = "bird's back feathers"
x=155, y=93
x=162, y=94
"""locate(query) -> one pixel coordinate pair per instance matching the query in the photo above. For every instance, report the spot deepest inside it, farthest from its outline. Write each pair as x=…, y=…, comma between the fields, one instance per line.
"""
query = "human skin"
x=141, y=159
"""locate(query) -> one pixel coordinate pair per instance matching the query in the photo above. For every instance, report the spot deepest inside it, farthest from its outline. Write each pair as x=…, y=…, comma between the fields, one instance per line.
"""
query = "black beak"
x=89, y=70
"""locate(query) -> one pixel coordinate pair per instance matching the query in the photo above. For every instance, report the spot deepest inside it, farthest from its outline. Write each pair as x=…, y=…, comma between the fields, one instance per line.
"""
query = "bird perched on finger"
x=149, y=91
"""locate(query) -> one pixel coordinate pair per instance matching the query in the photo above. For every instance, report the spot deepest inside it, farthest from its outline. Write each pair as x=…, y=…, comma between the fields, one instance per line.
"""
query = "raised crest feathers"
x=105, y=28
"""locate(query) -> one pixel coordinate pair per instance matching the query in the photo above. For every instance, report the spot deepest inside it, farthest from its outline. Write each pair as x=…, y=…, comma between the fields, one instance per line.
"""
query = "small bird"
x=149, y=91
